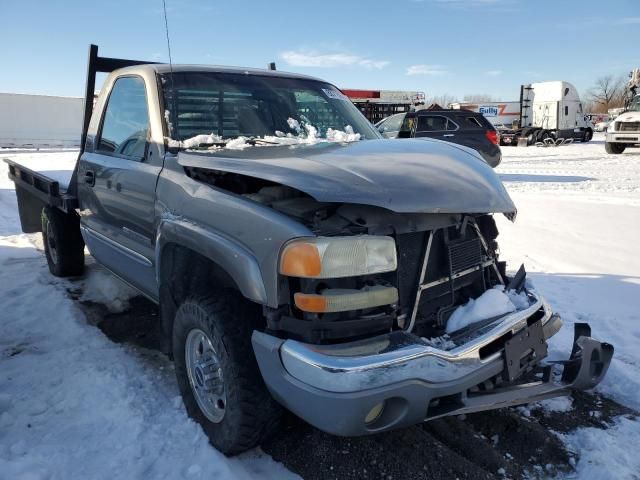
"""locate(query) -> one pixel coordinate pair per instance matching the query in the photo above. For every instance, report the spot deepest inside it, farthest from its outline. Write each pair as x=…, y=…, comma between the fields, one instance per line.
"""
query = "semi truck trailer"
x=545, y=110
x=34, y=121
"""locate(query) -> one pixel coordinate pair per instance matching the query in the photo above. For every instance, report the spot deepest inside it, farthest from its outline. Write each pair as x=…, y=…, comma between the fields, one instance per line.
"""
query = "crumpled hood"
x=404, y=175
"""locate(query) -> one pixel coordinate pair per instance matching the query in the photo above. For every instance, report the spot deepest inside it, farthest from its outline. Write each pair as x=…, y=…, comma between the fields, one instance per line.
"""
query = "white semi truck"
x=546, y=110
x=34, y=121
x=624, y=131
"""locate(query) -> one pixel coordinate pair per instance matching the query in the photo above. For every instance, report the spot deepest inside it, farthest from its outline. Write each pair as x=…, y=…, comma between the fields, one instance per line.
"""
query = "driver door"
x=117, y=183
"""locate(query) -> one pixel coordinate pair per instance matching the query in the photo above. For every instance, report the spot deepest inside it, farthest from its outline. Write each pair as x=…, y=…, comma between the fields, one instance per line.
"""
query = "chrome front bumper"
x=335, y=387
x=400, y=356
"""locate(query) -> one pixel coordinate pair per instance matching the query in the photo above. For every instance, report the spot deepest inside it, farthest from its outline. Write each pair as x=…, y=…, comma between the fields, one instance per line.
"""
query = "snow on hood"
x=405, y=176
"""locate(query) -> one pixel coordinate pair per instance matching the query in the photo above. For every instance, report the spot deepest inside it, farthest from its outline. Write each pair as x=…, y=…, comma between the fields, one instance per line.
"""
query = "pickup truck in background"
x=298, y=259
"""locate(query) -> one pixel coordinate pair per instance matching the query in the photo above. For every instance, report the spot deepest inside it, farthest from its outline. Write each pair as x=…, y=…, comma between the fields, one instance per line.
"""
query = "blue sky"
x=437, y=46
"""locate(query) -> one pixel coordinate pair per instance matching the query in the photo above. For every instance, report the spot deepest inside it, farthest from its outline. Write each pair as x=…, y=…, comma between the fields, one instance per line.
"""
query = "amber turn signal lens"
x=342, y=300
x=310, y=303
x=301, y=259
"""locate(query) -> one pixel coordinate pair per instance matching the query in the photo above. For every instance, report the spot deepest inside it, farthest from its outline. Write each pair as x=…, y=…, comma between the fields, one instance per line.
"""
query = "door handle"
x=449, y=135
x=90, y=177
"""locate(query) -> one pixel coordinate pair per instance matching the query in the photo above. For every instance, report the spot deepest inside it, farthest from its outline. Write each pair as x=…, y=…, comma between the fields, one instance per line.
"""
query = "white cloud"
x=493, y=73
x=309, y=58
x=629, y=21
x=462, y=4
x=470, y=3
x=426, y=70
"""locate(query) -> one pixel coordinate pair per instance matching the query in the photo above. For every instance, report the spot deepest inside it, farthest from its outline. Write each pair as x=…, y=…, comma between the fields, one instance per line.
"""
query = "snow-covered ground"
x=75, y=405
x=577, y=233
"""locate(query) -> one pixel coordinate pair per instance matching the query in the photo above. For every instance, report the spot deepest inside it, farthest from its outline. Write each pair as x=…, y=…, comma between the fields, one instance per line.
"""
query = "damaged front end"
x=402, y=365
x=399, y=379
x=365, y=335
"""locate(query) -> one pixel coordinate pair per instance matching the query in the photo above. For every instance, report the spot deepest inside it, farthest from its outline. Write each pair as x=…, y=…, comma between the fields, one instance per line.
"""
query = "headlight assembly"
x=337, y=257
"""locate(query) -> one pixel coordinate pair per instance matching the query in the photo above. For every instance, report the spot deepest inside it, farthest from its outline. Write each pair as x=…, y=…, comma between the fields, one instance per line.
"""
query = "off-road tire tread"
x=70, y=245
x=230, y=318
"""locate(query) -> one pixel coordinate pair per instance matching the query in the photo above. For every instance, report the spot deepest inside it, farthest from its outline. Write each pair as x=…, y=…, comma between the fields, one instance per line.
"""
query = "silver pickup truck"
x=298, y=259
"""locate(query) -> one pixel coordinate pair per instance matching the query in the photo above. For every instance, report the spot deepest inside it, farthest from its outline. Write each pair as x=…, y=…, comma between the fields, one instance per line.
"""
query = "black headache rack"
x=30, y=184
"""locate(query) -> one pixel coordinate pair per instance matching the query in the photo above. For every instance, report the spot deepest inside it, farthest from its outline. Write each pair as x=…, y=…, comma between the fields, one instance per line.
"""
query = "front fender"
x=233, y=258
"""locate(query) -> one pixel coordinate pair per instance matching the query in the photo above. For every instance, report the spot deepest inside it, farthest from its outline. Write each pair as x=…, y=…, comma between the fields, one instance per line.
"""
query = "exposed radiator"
x=464, y=254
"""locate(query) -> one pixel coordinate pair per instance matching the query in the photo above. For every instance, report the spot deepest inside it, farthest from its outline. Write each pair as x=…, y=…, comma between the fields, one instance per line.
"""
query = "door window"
x=391, y=124
x=474, y=122
x=431, y=123
x=125, y=125
x=435, y=123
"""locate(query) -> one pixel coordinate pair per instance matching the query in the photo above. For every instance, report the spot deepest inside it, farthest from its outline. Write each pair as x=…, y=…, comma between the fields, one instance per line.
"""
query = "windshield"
x=214, y=110
x=634, y=106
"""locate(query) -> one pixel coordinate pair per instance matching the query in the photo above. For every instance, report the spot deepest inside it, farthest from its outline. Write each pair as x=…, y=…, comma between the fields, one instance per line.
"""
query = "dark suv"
x=463, y=127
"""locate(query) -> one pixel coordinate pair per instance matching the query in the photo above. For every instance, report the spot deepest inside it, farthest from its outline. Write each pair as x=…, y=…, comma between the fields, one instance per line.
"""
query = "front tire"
x=588, y=135
x=63, y=244
x=217, y=372
x=614, y=148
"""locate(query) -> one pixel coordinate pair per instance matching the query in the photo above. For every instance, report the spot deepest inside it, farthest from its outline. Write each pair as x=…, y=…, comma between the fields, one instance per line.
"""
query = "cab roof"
x=165, y=68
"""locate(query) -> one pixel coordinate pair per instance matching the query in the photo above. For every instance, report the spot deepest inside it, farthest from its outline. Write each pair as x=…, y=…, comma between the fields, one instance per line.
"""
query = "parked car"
x=602, y=126
x=390, y=126
x=317, y=267
x=463, y=127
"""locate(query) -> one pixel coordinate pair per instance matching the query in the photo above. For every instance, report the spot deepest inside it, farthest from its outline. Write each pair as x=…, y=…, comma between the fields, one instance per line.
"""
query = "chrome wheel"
x=51, y=244
x=205, y=375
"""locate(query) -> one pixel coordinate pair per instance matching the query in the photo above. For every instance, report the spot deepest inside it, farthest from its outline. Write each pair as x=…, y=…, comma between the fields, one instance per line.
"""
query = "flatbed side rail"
x=42, y=187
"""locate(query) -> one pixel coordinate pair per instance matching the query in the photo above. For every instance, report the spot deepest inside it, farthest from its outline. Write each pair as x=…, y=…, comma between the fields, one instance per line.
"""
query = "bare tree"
x=589, y=107
x=608, y=92
x=443, y=100
x=478, y=97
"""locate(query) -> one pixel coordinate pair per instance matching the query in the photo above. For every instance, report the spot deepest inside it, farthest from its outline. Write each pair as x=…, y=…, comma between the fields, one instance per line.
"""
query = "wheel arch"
x=192, y=260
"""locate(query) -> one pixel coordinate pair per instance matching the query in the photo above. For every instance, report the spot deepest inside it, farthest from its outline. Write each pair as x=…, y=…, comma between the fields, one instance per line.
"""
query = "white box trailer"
x=500, y=114
x=546, y=110
x=33, y=121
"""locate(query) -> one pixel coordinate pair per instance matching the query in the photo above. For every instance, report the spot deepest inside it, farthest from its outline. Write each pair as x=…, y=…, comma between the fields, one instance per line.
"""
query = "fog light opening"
x=374, y=414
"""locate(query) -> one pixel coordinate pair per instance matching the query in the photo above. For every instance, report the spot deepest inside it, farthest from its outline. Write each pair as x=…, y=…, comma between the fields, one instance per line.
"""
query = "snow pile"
x=492, y=303
x=74, y=405
x=606, y=454
x=100, y=286
x=557, y=404
x=339, y=136
x=305, y=134
x=194, y=142
x=442, y=343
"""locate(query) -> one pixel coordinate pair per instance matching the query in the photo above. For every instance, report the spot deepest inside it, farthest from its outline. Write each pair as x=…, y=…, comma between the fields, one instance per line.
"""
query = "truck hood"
x=405, y=176
x=628, y=117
